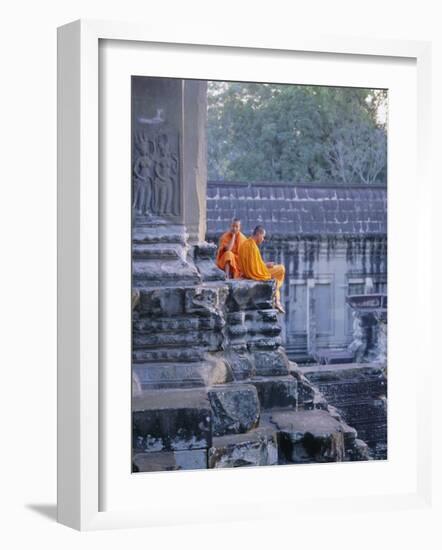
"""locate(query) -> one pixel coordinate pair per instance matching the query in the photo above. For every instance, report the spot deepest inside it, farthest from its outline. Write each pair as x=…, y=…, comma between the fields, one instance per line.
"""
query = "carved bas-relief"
x=142, y=175
x=155, y=176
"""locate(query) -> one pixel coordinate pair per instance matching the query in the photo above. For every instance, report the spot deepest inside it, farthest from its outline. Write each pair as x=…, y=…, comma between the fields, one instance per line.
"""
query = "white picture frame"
x=80, y=398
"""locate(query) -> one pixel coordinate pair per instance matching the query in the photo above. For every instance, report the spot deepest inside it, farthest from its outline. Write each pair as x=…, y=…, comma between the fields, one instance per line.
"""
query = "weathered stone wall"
x=338, y=267
x=359, y=392
x=216, y=386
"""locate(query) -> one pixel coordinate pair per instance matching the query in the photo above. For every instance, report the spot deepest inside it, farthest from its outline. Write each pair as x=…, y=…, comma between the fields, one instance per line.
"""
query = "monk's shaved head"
x=259, y=230
x=258, y=234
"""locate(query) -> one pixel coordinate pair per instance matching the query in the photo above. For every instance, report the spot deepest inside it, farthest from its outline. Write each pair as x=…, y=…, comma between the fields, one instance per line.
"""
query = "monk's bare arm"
x=231, y=244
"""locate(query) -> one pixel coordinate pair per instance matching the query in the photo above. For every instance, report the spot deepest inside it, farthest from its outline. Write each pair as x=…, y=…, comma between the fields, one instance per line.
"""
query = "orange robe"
x=252, y=266
x=231, y=256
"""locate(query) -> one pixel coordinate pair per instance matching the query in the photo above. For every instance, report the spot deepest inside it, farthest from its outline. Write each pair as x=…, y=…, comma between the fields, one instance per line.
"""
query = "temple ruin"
x=213, y=384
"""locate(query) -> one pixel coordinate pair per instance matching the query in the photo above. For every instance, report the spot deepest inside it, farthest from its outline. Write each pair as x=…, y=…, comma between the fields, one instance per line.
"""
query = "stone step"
x=261, y=342
x=169, y=355
x=255, y=330
x=158, y=251
x=157, y=273
x=205, y=300
x=235, y=408
x=310, y=436
x=167, y=461
x=257, y=447
x=276, y=391
x=171, y=420
x=240, y=362
x=207, y=340
x=204, y=256
x=245, y=294
x=164, y=233
x=176, y=324
x=271, y=362
x=309, y=397
x=176, y=375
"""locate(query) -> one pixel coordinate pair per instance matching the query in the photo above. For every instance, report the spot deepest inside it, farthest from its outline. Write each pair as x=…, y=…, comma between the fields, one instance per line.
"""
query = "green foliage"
x=268, y=132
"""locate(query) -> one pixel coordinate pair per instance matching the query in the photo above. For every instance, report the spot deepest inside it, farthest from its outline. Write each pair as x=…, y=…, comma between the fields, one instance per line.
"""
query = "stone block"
x=268, y=316
x=161, y=272
x=213, y=370
x=255, y=448
x=309, y=436
x=205, y=251
x=241, y=363
x=246, y=294
x=176, y=324
x=208, y=340
x=162, y=302
x=235, y=408
x=169, y=355
x=262, y=343
x=237, y=333
x=267, y=330
x=350, y=434
x=262, y=323
x=159, y=233
x=271, y=362
x=168, y=461
x=171, y=420
x=159, y=252
x=308, y=396
x=359, y=451
x=204, y=255
x=209, y=271
x=236, y=318
x=276, y=392
x=205, y=300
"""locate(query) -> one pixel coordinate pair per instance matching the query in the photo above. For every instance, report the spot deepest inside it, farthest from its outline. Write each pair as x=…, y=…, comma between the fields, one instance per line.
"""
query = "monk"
x=252, y=265
x=229, y=245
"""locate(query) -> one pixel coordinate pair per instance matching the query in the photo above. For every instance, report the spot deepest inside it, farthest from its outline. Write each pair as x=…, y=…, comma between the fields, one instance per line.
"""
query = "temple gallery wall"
x=213, y=384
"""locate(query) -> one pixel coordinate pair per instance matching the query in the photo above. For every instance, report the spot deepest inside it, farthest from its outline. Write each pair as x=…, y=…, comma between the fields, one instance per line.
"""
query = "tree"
x=267, y=132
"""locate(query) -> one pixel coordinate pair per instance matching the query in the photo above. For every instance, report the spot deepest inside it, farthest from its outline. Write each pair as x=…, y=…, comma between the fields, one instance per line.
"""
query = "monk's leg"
x=278, y=273
x=228, y=270
x=231, y=261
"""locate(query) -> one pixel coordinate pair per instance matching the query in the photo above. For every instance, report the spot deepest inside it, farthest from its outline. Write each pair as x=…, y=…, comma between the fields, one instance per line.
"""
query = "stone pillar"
x=369, y=327
x=157, y=160
x=169, y=152
x=177, y=323
x=195, y=158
